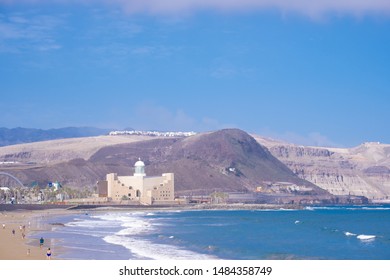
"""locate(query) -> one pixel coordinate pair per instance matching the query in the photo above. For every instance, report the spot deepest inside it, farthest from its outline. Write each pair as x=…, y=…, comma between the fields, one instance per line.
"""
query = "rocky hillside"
x=226, y=160
x=52, y=152
x=363, y=170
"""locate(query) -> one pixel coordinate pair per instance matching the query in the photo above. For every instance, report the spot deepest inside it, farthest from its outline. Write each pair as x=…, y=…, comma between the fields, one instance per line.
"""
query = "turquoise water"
x=334, y=233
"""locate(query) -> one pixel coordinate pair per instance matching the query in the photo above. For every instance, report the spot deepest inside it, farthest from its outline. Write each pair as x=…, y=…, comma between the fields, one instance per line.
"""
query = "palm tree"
x=2, y=196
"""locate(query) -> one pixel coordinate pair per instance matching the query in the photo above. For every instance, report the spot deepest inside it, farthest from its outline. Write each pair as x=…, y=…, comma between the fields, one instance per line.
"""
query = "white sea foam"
x=324, y=208
x=345, y=208
x=364, y=237
x=88, y=224
x=108, y=223
x=135, y=227
x=272, y=210
x=131, y=238
x=88, y=249
x=144, y=249
x=349, y=233
x=86, y=233
x=218, y=224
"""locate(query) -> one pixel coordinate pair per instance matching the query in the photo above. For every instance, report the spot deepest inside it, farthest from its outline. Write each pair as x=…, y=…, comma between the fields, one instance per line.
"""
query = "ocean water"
x=332, y=233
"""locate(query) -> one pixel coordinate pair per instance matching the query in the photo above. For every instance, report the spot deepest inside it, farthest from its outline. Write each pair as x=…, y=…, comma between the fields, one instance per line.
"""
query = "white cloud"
x=9, y=31
x=306, y=7
x=38, y=32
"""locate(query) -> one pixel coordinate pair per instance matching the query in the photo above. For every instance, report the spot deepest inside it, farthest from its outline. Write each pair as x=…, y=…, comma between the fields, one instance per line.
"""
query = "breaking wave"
x=364, y=237
x=130, y=237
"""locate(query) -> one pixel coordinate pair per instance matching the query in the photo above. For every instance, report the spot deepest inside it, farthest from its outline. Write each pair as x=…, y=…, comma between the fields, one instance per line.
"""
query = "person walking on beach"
x=48, y=253
x=3, y=226
x=13, y=232
x=41, y=241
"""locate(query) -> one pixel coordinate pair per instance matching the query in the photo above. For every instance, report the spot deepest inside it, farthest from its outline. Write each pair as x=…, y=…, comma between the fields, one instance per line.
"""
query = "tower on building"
x=139, y=168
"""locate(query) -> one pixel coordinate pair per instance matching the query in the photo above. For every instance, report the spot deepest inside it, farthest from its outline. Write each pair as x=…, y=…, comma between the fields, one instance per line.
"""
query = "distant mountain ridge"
x=20, y=135
x=225, y=160
x=228, y=160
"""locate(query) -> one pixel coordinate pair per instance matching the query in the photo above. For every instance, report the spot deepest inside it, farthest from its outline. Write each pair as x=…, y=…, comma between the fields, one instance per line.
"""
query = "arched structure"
x=13, y=177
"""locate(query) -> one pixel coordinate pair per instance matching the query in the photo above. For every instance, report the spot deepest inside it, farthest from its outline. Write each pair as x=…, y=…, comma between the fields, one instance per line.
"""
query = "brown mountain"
x=225, y=160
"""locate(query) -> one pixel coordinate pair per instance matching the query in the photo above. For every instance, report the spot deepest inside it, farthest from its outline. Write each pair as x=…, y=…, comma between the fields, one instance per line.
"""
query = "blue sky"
x=310, y=73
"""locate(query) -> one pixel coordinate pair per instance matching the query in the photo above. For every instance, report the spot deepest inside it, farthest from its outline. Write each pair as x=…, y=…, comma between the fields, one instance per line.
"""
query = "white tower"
x=139, y=168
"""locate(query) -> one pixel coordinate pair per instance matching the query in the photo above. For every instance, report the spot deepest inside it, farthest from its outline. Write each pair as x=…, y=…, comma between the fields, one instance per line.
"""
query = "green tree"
x=219, y=197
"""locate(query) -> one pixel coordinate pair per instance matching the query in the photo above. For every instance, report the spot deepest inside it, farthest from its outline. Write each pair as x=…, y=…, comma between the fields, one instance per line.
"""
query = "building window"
x=130, y=188
x=129, y=195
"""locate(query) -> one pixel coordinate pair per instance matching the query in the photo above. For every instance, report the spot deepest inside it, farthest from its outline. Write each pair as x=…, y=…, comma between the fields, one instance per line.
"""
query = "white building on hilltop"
x=139, y=188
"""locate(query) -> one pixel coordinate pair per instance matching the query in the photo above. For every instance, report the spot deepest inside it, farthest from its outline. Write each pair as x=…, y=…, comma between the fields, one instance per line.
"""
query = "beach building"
x=139, y=187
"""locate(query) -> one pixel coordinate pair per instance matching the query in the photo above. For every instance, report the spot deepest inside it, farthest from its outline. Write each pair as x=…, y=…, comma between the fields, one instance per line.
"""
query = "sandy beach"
x=15, y=229
x=29, y=223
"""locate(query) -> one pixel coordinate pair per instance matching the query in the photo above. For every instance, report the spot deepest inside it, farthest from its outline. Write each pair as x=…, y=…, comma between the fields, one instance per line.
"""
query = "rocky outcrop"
x=362, y=171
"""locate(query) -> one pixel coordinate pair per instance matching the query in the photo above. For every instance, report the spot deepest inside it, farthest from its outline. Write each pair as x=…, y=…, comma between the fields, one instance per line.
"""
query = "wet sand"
x=18, y=245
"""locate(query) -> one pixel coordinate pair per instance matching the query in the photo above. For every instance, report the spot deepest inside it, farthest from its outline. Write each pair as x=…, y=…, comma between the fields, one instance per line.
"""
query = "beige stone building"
x=139, y=188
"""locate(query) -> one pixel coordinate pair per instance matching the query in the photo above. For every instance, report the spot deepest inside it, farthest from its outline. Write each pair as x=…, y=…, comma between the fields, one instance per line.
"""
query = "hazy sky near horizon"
x=309, y=72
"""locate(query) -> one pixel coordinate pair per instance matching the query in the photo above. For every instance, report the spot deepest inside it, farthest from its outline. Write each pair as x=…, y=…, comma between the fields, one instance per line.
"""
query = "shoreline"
x=27, y=221
x=68, y=208
x=16, y=241
x=14, y=247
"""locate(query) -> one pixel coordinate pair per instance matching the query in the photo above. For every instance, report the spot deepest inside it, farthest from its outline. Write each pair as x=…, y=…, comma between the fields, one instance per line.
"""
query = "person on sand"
x=3, y=226
x=48, y=253
x=13, y=232
x=41, y=241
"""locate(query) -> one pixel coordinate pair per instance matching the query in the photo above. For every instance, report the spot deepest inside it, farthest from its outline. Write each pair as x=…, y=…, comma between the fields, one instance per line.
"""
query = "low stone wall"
x=15, y=207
